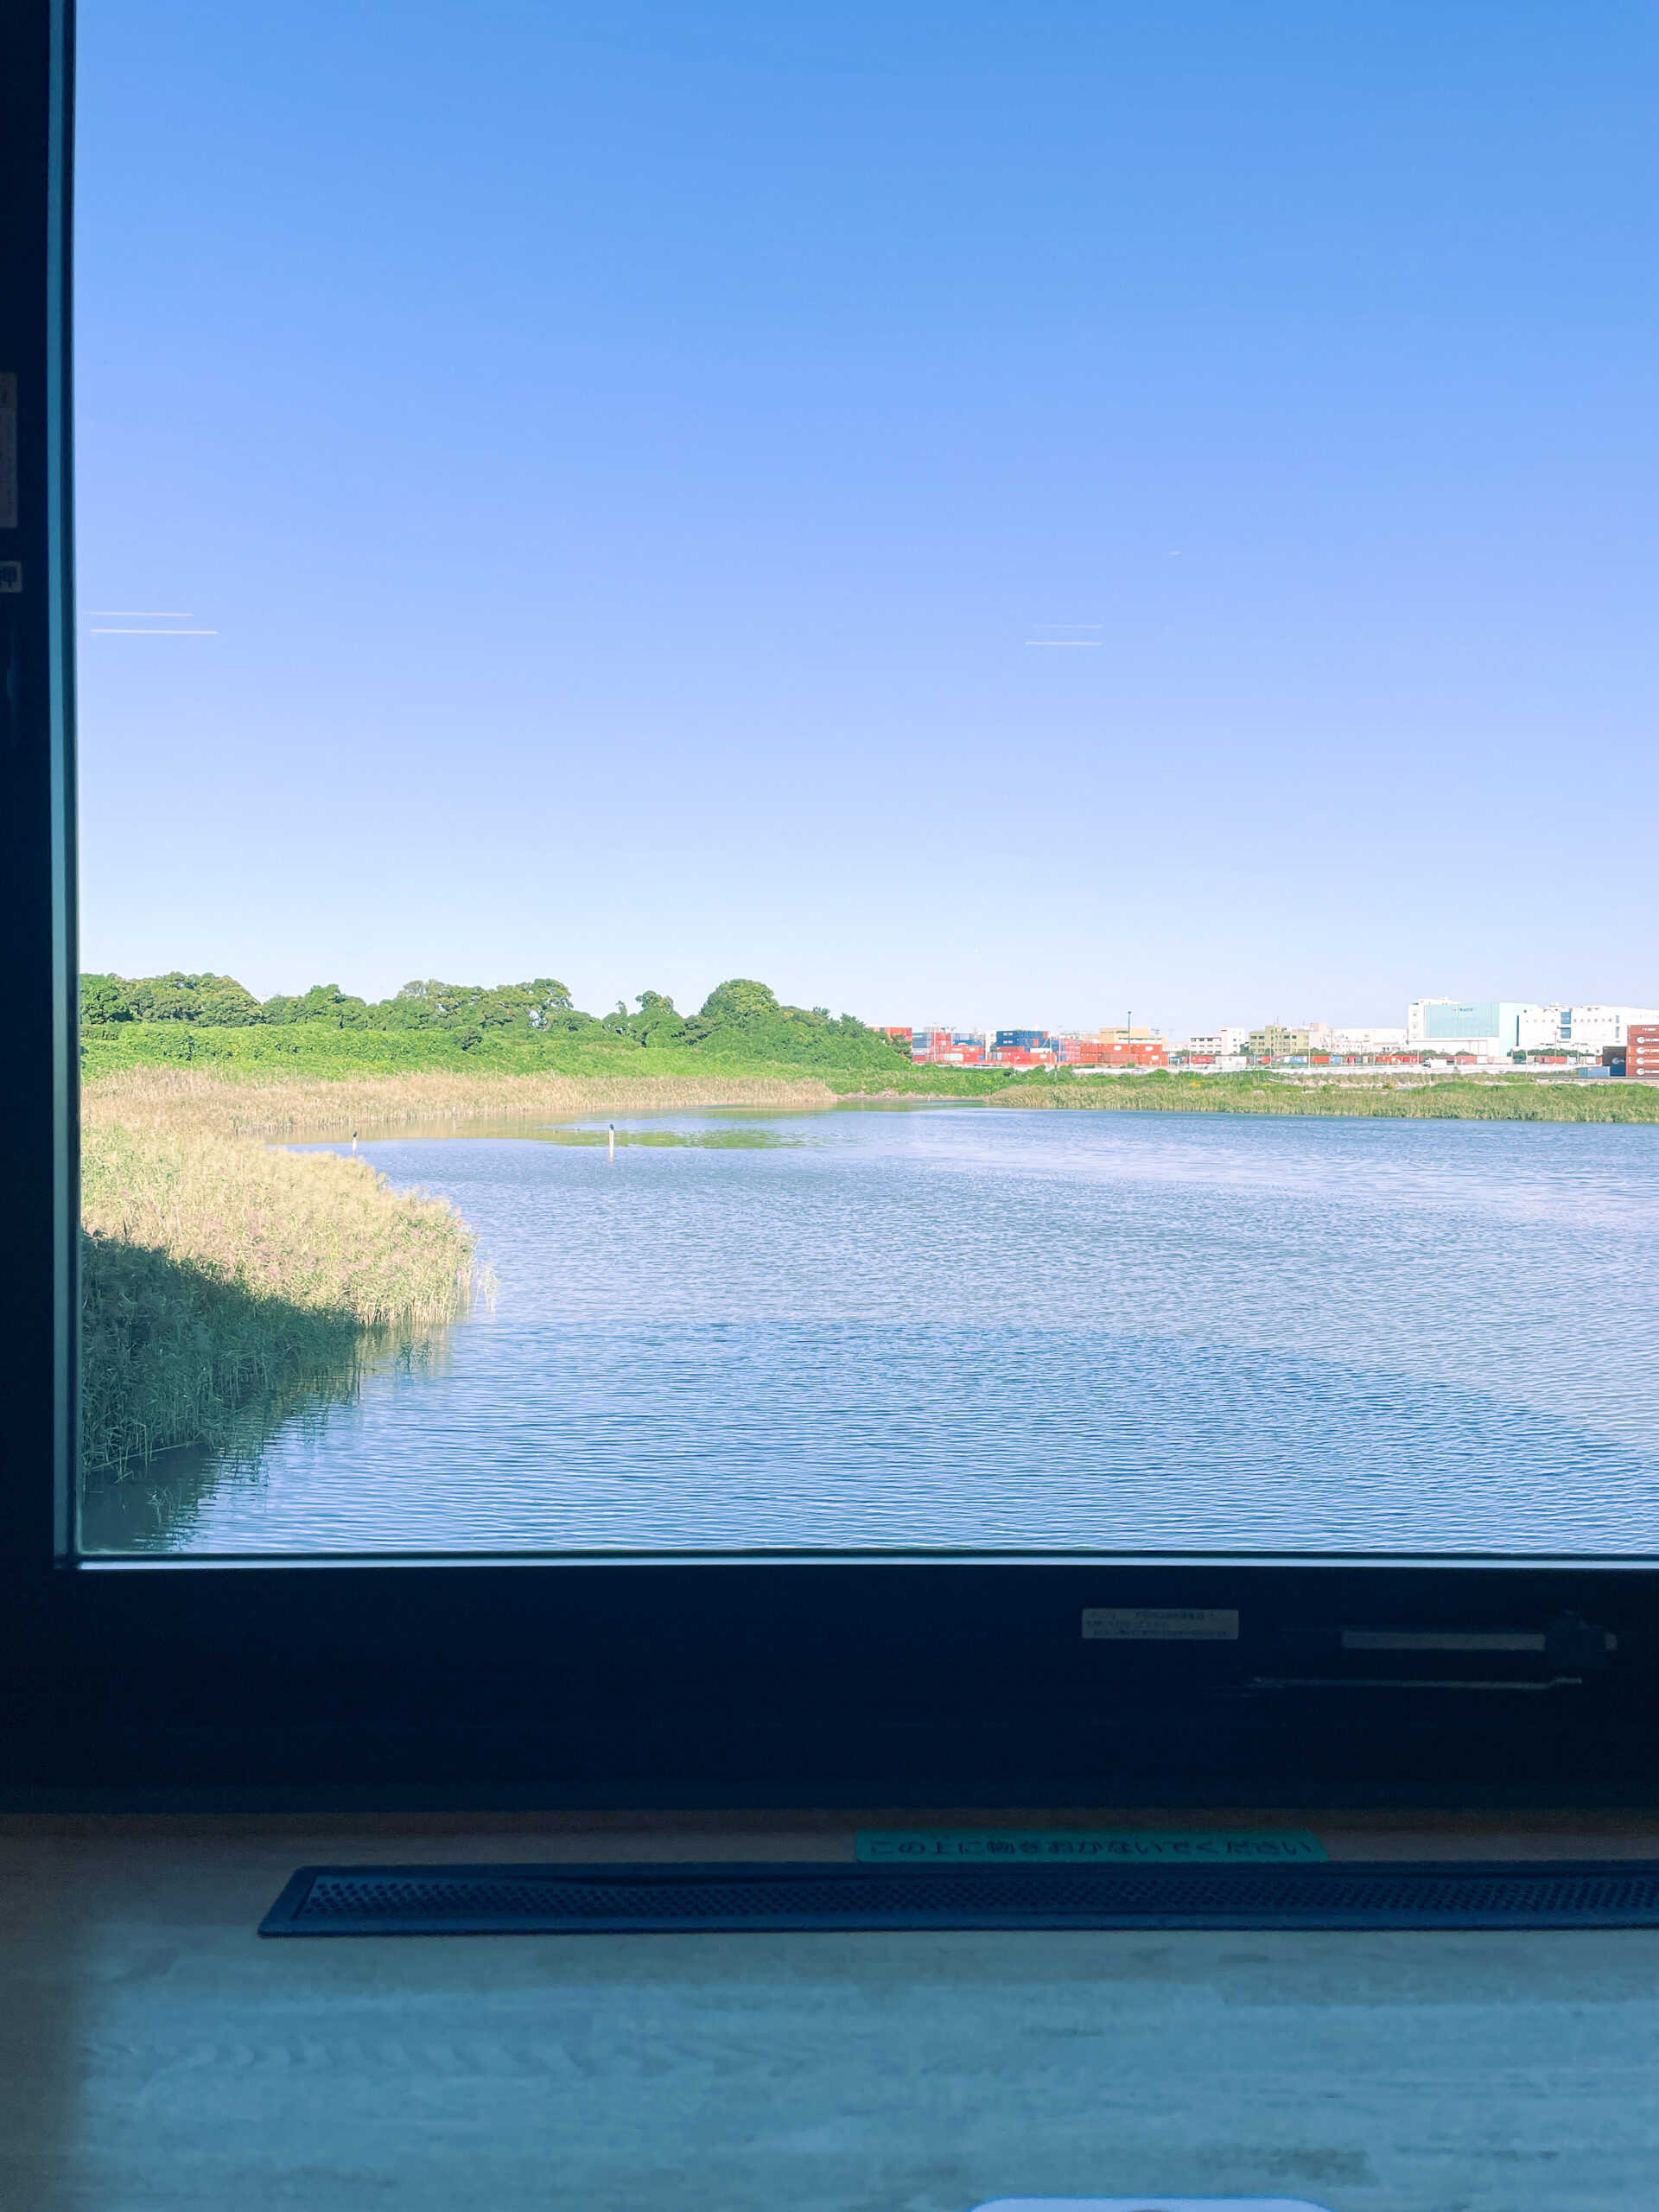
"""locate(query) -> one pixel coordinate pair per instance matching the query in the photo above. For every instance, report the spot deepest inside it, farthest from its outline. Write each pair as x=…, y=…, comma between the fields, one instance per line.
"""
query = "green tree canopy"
x=741, y=1015
x=740, y=1000
x=226, y=1005
x=103, y=999
x=324, y=1002
x=539, y=1005
x=218, y=1000
x=658, y=1022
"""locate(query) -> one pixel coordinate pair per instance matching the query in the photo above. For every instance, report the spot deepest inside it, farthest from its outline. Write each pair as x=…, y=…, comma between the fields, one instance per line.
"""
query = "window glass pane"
x=992, y=667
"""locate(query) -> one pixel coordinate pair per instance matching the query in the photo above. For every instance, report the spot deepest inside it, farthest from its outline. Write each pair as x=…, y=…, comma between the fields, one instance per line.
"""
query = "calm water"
x=971, y=1327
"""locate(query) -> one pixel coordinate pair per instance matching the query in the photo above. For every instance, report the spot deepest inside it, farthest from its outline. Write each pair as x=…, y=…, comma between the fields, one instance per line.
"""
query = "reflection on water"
x=702, y=1140
x=148, y=1506
x=981, y=1329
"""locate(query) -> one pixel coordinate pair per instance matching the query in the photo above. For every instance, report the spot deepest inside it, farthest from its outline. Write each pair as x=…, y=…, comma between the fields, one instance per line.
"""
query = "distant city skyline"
x=932, y=512
x=1484, y=1032
x=1432, y=1021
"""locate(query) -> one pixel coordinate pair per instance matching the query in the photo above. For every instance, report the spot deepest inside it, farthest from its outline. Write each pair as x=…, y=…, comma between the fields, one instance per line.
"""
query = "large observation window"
x=987, y=637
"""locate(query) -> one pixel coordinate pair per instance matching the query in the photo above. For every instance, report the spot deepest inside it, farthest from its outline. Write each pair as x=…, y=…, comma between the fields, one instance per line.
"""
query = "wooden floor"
x=153, y=2052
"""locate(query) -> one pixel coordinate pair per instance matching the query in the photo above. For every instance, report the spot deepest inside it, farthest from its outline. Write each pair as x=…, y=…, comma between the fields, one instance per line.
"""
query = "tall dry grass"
x=193, y=1099
x=172, y=1354
x=323, y=1233
x=219, y=1271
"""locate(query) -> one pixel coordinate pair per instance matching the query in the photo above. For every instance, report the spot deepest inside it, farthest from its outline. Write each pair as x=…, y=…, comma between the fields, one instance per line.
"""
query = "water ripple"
x=965, y=1328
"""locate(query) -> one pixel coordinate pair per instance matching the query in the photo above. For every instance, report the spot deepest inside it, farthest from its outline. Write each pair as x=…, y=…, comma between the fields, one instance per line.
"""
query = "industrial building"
x=1493, y=1029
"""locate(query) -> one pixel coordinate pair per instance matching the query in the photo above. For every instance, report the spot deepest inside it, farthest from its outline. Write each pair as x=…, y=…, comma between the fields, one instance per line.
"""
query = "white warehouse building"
x=1493, y=1028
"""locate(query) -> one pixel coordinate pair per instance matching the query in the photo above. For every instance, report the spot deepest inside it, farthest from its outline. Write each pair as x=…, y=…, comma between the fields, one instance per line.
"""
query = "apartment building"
x=1274, y=1041
x=1219, y=1044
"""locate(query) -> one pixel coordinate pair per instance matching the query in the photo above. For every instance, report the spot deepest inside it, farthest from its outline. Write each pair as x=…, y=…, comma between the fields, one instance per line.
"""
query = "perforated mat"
x=613, y=1898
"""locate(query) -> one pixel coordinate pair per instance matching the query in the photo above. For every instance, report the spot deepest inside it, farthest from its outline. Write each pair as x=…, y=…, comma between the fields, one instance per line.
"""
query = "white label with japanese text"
x=1159, y=1624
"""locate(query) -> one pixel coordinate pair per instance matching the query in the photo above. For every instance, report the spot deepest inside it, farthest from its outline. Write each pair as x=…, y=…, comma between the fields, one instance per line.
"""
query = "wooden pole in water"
x=613, y=1152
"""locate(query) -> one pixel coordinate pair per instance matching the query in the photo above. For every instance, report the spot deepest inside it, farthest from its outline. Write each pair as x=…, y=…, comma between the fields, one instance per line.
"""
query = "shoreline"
x=1355, y=1095
x=315, y=1109
x=1439, y=1099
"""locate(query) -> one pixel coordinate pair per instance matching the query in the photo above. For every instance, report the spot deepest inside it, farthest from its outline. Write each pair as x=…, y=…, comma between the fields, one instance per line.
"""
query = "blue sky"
x=639, y=463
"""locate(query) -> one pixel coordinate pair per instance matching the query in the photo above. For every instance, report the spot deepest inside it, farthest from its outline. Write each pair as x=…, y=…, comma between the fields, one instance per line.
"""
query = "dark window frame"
x=923, y=1682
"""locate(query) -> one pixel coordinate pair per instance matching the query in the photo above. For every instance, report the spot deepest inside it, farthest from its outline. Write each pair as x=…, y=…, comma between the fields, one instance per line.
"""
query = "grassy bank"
x=312, y=1077
x=209, y=1103
x=1502, y=1098
x=326, y=1061
x=701, y=1074
x=219, y=1273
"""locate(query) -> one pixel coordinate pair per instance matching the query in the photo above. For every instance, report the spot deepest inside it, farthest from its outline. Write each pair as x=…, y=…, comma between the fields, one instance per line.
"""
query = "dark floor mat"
x=616, y=1899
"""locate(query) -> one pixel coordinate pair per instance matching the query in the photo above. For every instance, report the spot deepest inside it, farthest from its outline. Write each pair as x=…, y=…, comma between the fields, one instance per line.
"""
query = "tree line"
x=746, y=1015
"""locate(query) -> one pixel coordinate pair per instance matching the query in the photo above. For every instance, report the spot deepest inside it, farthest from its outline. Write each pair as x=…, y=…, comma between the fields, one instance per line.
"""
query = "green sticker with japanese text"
x=1087, y=1847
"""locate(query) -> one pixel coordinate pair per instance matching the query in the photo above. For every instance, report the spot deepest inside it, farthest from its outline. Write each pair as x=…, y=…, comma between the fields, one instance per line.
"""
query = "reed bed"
x=196, y=1101
x=171, y=1354
x=1508, y=1099
x=218, y=1272
x=324, y=1234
